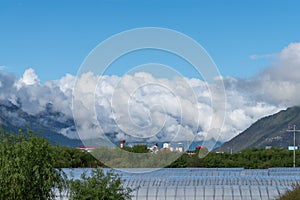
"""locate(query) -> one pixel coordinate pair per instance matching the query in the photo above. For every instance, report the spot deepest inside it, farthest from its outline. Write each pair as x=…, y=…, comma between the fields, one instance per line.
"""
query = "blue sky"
x=54, y=37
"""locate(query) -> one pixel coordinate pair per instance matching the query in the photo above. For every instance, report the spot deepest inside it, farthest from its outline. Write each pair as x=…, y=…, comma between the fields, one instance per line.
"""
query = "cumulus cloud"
x=279, y=82
x=144, y=108
x=282, y=79
x=29, y=78
x=135, y=107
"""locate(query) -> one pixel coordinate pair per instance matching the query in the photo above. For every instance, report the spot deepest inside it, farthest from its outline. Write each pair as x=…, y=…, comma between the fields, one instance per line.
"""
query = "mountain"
x=47, y=124
x=58, y=128
x=268, y=131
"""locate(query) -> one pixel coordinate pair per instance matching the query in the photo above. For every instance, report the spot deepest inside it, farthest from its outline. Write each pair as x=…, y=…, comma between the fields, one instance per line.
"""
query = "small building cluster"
x=167, y=146
x=172, y=147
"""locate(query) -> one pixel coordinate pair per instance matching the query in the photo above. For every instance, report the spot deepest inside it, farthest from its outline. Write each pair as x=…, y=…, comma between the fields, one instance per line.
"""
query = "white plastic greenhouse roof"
x=215, y=184
x=210, y=184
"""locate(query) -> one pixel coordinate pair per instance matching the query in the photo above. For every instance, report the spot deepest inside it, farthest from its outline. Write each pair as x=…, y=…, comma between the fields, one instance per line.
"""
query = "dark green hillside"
x=46, y=124
x=268, y=131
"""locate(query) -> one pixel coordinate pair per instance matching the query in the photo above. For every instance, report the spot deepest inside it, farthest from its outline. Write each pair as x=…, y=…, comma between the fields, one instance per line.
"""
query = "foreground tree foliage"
x=99, y=186
x=27, y=167
x=28, y=170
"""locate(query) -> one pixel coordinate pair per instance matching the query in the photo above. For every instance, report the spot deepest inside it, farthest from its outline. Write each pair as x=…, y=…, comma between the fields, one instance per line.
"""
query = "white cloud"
x=145, y=107
x=280, y=82
x=29, y=78
x=137, y=106
x=152, y=109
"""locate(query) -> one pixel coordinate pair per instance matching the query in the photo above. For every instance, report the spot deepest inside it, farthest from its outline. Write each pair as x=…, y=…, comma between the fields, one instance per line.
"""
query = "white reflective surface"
x=203, y=183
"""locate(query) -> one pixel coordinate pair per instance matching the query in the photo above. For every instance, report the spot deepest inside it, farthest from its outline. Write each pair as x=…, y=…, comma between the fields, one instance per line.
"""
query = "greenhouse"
x=205, y=183
x=216, y=184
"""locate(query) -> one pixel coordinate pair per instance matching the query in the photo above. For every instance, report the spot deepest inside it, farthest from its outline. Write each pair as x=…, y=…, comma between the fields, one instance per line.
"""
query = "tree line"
x=138, y=156
x=248, y=159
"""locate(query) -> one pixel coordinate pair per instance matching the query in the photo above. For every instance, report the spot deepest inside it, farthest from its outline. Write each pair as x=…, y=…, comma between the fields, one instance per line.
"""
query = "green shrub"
x=98, y=186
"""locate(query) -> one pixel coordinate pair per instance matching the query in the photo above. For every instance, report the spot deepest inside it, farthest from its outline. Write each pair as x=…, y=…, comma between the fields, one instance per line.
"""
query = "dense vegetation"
x=129, y=158
x=139, y=148
x=74, y=158
x=29, y=170
x=27, y=167
x=99, y=186
x=136, y=157
x=251, y=158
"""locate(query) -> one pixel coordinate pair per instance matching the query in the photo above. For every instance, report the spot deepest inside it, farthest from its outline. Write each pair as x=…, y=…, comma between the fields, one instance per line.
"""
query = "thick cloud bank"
x=142, y=106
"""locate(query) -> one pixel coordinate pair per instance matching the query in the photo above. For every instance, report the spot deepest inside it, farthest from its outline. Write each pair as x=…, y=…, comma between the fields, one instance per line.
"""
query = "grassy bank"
x=292, y=194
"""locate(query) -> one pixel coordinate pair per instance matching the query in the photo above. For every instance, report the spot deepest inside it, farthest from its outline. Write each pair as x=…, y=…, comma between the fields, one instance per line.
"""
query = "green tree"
x=27, y=167
x=98, y=186
x=140, y=148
